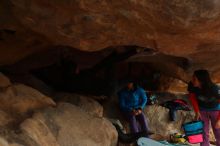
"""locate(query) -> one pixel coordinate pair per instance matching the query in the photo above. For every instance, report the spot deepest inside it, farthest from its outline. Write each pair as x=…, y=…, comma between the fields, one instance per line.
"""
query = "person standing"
x=204, y=95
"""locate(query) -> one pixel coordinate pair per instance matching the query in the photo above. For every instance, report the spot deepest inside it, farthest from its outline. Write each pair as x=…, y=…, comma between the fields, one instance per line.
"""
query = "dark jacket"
x=206, y=102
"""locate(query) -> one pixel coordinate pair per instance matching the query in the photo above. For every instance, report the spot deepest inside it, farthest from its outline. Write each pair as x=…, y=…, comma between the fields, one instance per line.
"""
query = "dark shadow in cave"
x=98, y=73
x=98, y=79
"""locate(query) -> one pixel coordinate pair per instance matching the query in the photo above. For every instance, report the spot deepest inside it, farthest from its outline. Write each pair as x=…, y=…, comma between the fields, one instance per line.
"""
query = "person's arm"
x=192, y=98
x=122, y=103
x=143, y=98
x=217, y=126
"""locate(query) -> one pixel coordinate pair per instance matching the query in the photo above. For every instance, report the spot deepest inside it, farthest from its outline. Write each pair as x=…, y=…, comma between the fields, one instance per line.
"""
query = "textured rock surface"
x=68, y=125
x=65, y=125
x=19, y=98
x=39, y=131
x=174, y=86
x=188, y=28
x=159, y=123
x=159, y=120
x=84, y=102
x=4, y=142
x=4, y=81
x=5, y=118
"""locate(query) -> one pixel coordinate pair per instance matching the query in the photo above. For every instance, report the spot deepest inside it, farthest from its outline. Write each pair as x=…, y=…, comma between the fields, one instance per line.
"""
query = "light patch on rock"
x=19, y=98
x=39, y=132
x=86, y=103
x=68, y=125
x=3, y=142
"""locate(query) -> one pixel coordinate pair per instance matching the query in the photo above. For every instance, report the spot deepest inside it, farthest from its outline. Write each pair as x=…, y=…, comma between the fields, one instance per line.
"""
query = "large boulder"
x=37, y=130
x=68, y=125
x=65, y=125
x=158, y=118
x=19, y=98
x=87, y=103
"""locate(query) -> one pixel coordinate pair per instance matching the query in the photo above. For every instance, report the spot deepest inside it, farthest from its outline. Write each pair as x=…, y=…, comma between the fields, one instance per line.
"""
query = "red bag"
x=193, y=139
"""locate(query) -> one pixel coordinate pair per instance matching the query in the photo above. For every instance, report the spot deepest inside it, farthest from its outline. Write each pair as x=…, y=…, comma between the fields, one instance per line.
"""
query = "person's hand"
x=198, y=116
x=139, y=111
x=134, y=112
x=217, y=125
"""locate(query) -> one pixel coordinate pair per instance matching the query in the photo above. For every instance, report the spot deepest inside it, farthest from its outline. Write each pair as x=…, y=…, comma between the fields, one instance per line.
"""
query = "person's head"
x=201, y=79
x=131, y=85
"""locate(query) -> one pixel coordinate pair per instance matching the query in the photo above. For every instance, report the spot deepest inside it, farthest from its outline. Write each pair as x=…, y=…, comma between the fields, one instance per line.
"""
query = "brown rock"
x=159, y=123
x=4, y=142
x=5, y=118
x=4, y=81
x=39, y=132
x=87, y=103
x=68, y=125
x=21, y=99
x=187, y=29
x=172, y=85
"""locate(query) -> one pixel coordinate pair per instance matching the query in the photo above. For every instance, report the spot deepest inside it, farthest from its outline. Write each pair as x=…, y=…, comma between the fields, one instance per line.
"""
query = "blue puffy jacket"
x=132, y=99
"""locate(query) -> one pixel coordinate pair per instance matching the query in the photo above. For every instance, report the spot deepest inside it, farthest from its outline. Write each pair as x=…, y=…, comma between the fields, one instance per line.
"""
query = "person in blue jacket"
x=132, y=101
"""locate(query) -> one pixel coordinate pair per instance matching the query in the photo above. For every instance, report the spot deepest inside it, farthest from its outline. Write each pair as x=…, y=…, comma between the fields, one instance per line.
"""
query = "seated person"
x=132, y=100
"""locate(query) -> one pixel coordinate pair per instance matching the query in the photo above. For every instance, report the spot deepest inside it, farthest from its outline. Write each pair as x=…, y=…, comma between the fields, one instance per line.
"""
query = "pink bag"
x=198, y=138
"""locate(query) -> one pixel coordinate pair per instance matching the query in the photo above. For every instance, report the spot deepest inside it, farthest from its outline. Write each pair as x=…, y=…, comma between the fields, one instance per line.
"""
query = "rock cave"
x=62, y=63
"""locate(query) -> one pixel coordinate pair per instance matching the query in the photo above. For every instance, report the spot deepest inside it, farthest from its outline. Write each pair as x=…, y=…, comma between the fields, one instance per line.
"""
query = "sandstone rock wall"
x=189, y=29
